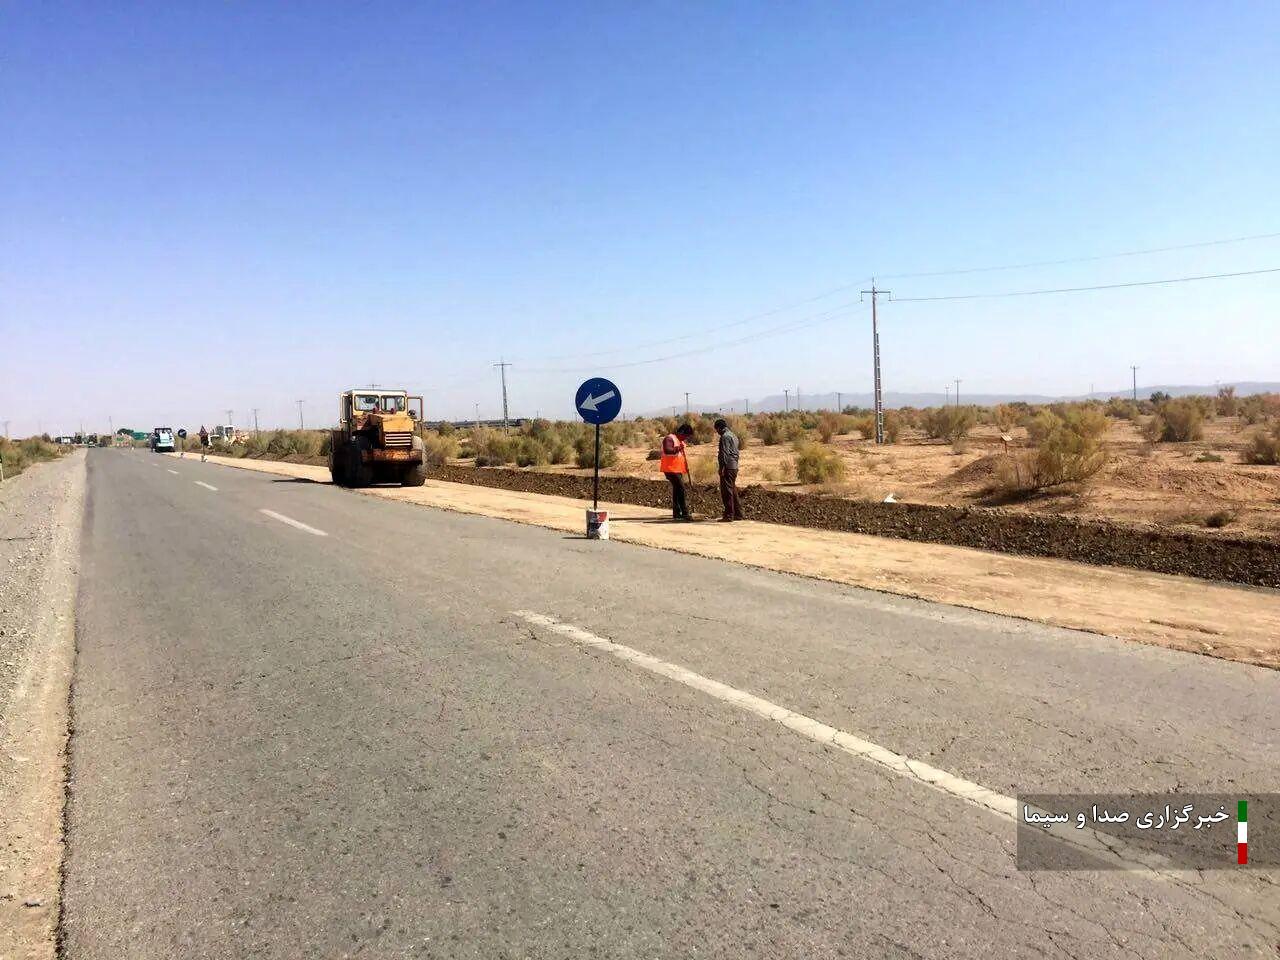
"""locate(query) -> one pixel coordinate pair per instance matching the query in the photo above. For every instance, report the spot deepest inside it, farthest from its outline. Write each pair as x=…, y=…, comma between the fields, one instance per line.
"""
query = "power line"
x=1093, y=258
x=1089, y=259
x=1101, y=286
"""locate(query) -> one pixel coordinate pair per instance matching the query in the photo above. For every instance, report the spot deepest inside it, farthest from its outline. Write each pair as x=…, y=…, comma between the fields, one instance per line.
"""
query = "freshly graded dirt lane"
x=1221, y=620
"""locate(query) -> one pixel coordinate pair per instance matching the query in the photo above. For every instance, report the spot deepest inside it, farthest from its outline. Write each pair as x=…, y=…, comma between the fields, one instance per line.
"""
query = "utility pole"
x=230, y=422
x=6, y=429
x=477, y=416
x=957, y=391
x=686, y=403
x=799, y=405
x=502, y=365
x=875, y=353
x=747, y=402
x=839, y=405
x=1135, y=383
x=948, y=389
x=301, y=425
x=255, y=421
x=786, y=399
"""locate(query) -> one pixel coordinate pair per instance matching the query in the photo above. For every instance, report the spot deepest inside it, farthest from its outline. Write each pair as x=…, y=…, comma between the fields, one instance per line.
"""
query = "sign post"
x=598, y=401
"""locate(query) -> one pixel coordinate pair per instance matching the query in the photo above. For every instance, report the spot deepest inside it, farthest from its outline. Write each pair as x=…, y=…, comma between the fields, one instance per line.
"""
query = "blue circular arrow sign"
x=598, y=401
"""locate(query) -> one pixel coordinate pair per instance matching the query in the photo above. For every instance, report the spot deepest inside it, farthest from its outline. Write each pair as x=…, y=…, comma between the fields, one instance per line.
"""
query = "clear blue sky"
x=211, y=206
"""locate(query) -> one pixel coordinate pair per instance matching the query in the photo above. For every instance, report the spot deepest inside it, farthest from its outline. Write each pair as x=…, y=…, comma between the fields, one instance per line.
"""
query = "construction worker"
x=728, y=462
x=674, y=465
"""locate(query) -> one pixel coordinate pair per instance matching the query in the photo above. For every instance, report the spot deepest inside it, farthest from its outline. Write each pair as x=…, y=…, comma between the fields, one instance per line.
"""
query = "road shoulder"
x=1220, y=620
x=40, y=527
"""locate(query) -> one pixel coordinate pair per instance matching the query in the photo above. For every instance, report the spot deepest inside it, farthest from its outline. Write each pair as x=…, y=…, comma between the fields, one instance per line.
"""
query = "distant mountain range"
x=893, y=400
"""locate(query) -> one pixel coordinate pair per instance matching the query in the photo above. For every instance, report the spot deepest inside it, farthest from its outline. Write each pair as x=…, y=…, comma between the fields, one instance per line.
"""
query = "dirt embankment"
x=1238, y=560
x=40, y=517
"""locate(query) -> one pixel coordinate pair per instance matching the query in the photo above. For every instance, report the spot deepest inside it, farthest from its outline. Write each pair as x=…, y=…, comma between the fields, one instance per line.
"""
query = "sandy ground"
x=40, y=521
x=1166, y=484
x=1231, y=622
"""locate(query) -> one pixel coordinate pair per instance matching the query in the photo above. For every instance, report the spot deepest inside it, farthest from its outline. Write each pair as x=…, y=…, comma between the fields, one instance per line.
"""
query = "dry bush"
x=1043, y=423
x=1122, y=409
x=865, y=424
x=829, y=425
x=892, y=426
x=585, y=448
x=1178, y=421
x=704, y=469
x=816, y=464
x=20, y=454
x=1263, y=447
x=773, y=429
x=1005, y=417
x=949, y=423
x=784, y=472
x=741, y=427
x=439, y=448
x=1227, y=403
x=1071, y=452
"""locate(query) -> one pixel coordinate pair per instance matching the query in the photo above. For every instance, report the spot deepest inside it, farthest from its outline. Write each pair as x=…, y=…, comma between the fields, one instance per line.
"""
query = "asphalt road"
x=390, y=732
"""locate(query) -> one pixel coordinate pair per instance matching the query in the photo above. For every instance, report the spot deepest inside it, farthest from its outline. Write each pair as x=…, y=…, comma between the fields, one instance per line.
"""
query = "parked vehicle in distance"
x=162, y=440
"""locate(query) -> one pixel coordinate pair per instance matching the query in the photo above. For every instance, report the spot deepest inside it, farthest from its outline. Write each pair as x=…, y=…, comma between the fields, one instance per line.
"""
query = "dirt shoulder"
x=1221, y=620
x=40, y=523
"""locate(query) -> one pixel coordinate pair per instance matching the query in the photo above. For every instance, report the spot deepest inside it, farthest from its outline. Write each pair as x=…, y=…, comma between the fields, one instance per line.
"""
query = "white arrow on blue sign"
x=598, y=401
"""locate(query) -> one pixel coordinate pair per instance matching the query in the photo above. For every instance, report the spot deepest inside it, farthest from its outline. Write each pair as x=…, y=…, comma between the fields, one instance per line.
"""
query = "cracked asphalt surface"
x=288, y=745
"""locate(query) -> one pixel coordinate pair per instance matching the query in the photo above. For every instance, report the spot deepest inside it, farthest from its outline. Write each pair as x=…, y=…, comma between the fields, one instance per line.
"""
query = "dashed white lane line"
x=207, y=486
x=940, y=780
x=174, y=472
x=291, y=522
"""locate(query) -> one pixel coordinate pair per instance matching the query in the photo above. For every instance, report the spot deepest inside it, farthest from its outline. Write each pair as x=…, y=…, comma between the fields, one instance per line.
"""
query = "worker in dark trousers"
x=728, y=461
x=675, y=465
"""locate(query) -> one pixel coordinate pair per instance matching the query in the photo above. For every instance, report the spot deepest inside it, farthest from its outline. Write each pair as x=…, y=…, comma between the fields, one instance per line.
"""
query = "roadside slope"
x=40, y=520
x=1220, y=620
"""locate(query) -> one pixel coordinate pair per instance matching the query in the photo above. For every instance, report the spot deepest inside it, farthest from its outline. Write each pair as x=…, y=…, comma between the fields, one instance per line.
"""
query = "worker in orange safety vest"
x=674, y=465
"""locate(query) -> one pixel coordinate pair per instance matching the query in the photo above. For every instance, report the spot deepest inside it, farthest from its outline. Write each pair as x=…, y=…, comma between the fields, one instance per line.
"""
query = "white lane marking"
x=1104, y=846
x=291, y=522
x=207, y=486
x=806, y=726
x=174, y=472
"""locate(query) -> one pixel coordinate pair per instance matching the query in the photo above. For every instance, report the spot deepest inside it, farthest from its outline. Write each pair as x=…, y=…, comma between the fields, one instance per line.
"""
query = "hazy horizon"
x=227, y=208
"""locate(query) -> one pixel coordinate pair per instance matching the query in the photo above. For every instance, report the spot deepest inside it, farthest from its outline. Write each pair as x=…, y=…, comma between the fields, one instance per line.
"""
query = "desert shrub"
x=816, y=464
x=703, y=469
x=532, y=452
x=492, y=448
x=1177, y=421
x=949, y=423
x=1005, y=417
x=1042, y=424
x=1220, y=518
x=20, y=454
x=741, y=426
x=438, y=448
x=1070, y=452
x=1122, y=409
x=561, y=452
x=446, y=429
x=892, y=426
x=782, y=473
x=828, y=426
x=865, y=424
x=1226, y=402
x=1263, y=447
x=585, y=449
x=773, y=429
x=1208, y=458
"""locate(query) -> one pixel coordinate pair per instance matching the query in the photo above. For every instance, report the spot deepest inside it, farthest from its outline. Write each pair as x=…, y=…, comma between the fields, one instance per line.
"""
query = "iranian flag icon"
x=1242, y=832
